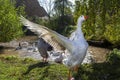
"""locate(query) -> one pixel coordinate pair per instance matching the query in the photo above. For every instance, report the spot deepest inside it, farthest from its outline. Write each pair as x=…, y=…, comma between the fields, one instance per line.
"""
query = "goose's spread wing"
x=53, y=38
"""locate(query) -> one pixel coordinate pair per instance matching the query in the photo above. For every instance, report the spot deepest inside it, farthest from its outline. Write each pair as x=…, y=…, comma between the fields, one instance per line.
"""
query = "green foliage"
x=104, y=16
x=68, y=30
x=62, y=18
x=10, y=57
x=25, y=69
x=10, y=27
x=114, y=56
x=28, y=60
x=99, y=71
x=112, y=34
x=62, y=7
x=20, y=10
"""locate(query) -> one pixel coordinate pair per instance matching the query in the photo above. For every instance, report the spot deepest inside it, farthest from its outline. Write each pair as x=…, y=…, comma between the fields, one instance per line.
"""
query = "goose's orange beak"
x=86, y=17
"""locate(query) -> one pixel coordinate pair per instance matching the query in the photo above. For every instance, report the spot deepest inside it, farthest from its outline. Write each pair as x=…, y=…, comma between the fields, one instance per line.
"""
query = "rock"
x=88, y=58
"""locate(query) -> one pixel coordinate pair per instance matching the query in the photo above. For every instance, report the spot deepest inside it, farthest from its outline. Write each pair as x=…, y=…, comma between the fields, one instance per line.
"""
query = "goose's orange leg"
x=76, y=68
x=69, y=74
x=70, y=77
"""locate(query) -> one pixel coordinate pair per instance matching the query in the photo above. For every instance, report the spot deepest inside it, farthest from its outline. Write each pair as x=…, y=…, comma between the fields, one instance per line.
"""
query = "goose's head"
x=82, y=18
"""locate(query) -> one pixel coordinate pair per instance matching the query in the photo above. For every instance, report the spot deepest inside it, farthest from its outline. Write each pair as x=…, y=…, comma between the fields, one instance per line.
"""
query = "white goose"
x=76, y=46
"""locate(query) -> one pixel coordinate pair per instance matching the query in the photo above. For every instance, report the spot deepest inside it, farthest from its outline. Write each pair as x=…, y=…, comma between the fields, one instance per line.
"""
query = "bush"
x=114, y=56
x=112, y=34
x=11, y=57
x=10, y=27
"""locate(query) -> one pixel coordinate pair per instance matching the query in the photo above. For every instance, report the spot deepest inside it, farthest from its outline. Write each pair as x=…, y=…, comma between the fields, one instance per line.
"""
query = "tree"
x=10, y=27
x=62, y=8
x=48, y=5
x=103, y=15
x=61, y=17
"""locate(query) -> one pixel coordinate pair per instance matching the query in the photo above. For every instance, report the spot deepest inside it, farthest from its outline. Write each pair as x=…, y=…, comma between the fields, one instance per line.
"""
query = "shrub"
x=114, y=56
x=10, y=27
x=112, y=34
x=11, y=57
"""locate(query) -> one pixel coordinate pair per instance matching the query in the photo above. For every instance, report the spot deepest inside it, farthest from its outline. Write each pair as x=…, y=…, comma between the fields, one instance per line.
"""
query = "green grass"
x=13, y=68
x=28, y=69
x=100, y=71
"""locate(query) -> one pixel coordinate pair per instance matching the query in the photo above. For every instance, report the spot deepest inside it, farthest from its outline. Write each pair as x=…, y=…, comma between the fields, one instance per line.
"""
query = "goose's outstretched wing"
x=53, y=38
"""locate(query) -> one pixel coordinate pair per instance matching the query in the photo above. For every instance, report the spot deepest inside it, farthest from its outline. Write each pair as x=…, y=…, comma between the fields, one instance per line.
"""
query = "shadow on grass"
x=37, y=65
x=4, y=48
x=45, y=73
x=1, y=49
x=99, y=71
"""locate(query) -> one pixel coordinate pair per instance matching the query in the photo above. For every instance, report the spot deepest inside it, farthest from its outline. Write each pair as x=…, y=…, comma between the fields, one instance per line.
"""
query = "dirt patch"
x=99, y=54
x=28, y=38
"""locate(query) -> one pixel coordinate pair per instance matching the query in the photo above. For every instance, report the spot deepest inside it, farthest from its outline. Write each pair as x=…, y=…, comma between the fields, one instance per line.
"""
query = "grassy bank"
x=13, y=68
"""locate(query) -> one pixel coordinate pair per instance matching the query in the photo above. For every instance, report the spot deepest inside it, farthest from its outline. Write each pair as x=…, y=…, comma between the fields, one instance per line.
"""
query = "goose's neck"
x=79, y=31
x=79, y=25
